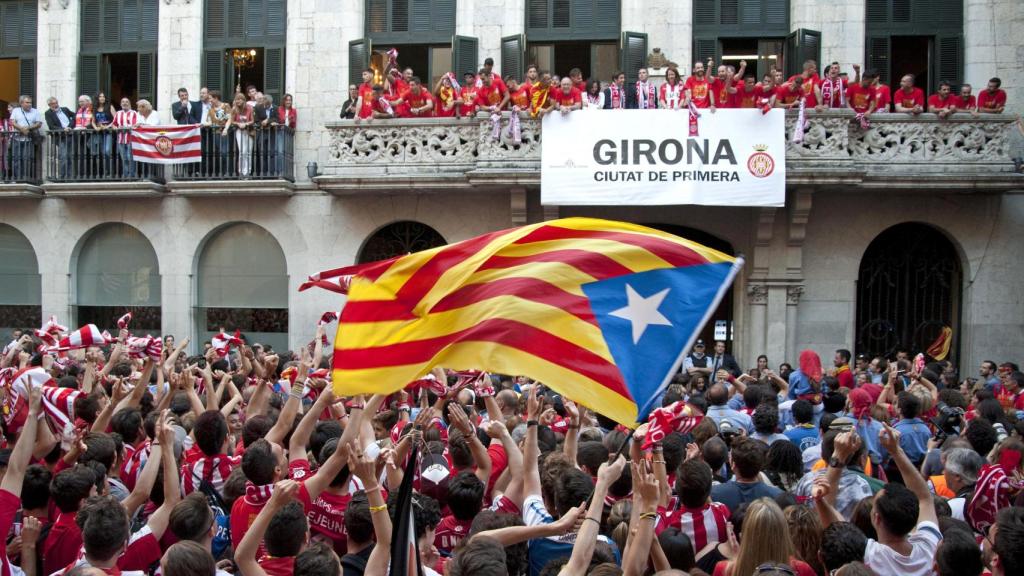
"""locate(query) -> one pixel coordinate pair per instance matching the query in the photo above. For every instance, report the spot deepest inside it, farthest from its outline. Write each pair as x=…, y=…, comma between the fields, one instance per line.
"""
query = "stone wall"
x=179, y=53
x=57, y=52
x=841, y=23
x=993, y=46
x=668, y=24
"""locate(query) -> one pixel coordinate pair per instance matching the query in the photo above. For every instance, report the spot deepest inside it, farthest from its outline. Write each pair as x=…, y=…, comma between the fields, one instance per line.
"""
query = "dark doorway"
x=762, y=55
x=123, y=77
x=723, y=316
x=911, y=55
x=596, y=60
x=399, y=239
x=247, y=67
x=908, y=289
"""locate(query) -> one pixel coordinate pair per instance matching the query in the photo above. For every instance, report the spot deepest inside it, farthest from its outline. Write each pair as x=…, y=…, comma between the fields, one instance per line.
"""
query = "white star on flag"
x=642, y=312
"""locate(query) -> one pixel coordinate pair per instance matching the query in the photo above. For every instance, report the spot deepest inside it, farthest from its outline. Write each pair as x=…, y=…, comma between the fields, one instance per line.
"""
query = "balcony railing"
x=83, y=156
x=448, y=153
x=21, y=159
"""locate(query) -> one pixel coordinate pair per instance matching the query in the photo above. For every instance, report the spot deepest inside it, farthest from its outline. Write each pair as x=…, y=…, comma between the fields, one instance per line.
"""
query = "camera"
x=948, y=421
x=728, y=431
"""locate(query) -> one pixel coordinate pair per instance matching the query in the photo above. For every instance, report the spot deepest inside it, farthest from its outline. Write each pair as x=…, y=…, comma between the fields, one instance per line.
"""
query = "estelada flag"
x=600, y=311
x=167, y=144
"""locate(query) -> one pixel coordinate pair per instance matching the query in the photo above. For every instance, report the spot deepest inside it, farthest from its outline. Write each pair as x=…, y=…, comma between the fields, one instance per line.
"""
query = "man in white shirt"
x=27, y=122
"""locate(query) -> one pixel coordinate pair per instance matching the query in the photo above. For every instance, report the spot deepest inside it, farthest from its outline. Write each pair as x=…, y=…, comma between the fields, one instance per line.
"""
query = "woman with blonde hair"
x=805, y=528
x=765, y=540
x=241, y=121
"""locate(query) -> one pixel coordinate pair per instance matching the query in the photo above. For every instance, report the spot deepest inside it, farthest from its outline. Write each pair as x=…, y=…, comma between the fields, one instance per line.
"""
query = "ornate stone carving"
x=505, y=148
x=824, y=138
x=399, y=145
x=793, y=294
x=757, y=294
x=943, y=141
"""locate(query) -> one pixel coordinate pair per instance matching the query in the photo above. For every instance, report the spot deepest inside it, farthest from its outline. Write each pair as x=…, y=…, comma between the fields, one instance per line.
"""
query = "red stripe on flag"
x=426, y=276
x=674, y=254
x=183, y=154
x=592, y=263
x=531, y=289
x=178, y=141
x=523, y=337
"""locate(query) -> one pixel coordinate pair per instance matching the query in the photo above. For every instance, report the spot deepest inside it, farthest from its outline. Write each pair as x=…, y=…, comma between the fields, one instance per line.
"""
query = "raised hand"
x=284, y=492
x=609, y=472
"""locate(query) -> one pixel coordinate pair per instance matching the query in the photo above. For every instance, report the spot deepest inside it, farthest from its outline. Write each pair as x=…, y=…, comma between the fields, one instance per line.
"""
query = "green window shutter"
x=277, y=18
x=512, y=56
x=376, y=16
x=802, y=45
x=946, y=13
x=632, y=54
x=561, y=13
x=29, y=24
x=130, y=20
x=948, y=59
x=705, y=47
x=235, y=19
x=399, y=16
x=582, y=16
x=776, y=12
x=88, y=73
x=730, y=12
x=750, y=12
x=273, y=73
x=607, y=18
x=465, y=53
x=150, y=20
x=255, y=19
x=420, y=16
x=111, y=22
x=705, y=12
x=147, y=76
x=901, y=10
x=537, y=14
x=213, y=23
x=444, y=16
x=27, y=78
x=91, y=23
x=10, y=25
x=877, y=11
x=358, y=59
x=213, y=73
x=878, y=56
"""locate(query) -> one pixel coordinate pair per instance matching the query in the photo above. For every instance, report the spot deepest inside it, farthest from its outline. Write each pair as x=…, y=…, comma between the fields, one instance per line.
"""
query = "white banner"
x=646, y=157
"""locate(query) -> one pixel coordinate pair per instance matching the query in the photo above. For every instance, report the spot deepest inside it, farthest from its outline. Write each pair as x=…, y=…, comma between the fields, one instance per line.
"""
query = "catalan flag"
x=600, y=311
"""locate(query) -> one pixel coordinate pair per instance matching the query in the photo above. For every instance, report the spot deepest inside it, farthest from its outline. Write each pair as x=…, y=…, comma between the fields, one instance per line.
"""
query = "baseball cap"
x=842, y=424
x=699, y=342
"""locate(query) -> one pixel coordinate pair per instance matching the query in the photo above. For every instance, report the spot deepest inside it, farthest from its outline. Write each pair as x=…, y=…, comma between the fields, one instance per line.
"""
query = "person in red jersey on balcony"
x=725, y=87
x=491, y=97
x=909, y=98
x=966, y=101
x=863, y=97
x=566, y=98
x=833, y=87
x=364, y=104
x=418, y=103
x=467, y=96
x=698, y=89
x=992, y=100
x=810, y=84
x=943, y=103
x=789, y=94
x=446, y=97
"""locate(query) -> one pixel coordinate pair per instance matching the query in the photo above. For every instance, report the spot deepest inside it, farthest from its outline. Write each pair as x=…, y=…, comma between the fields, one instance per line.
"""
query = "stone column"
x=489, y=21
x=992, y=46
x=316, y=71
x=757, y=300
x=841, y=23
x=668, y=24
x=793, y=294
x=57, y=53
x=179, y=61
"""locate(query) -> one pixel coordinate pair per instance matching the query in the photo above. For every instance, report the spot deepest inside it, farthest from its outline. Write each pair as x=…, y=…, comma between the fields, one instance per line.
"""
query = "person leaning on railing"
x=59, y=121
x=217, y=117
x=241, y=120
x=26, y=121
x=5, y=128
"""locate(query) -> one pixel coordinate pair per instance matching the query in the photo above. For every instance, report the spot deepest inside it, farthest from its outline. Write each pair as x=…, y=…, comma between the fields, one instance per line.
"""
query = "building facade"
x=886, y=237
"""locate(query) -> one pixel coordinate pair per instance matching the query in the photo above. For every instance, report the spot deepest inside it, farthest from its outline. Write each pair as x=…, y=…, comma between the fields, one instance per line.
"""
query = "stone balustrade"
x=898, y=150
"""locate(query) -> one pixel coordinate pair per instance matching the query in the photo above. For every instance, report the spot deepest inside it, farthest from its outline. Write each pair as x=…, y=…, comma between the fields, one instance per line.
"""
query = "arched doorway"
x=720, y=325
x=115, y=270
x=908, y=288
x=398, y=238
x=242, y=284
x=20, y=295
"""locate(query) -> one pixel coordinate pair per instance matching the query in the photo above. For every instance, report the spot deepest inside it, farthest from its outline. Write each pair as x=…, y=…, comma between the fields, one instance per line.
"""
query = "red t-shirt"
x=449, y=532
x=521, y=97
x=9, y=506
x=278, y=566
x=445, y=97
x=936, y=101
x=859, y=97
x=469, y=100
x=700, y=92
x=749, y=99
x=63, y=543
x=808, y=88
x=723, y=99
x=883, y=97
x=989, y=101
x=487, y=96
x=366, y=93
x=563, y=99
x=915, y=98
x=243, y=514
x=786, y=95
x=416, y=101
x=378, y=106
x=970, y=103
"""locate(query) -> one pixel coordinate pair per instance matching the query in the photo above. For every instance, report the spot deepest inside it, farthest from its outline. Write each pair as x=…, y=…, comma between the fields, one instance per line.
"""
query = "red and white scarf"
x=258, y=495
x=832, y=88
x=145, y=347
x=694, y=115
x=801, y=122
x=616, y=94
x=515, y=132
x=673, y=95
x=645, y=99
x=386, y=106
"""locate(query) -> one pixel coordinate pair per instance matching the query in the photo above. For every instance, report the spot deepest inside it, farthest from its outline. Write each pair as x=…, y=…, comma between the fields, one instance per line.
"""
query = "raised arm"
x=461, y=422
x=366, y=470
x=147, y=478
x=586, y=537
x=531, y=474
x=245, y=555
x=890, y=440
x=572, y=438
x=159, y=519
x=22, y=452
x=300, y=436
x=634, y=561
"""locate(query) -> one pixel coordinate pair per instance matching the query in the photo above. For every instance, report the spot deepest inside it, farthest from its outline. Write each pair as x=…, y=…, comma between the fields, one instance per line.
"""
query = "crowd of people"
x=241, y=138
x=402, y=94
x=123, y=455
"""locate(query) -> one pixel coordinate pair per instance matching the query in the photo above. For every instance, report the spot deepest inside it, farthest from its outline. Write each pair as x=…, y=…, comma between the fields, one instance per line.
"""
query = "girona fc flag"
x=166, y=144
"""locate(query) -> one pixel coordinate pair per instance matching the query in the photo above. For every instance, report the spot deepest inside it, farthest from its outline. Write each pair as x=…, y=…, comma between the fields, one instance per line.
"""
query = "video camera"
x=948, y=421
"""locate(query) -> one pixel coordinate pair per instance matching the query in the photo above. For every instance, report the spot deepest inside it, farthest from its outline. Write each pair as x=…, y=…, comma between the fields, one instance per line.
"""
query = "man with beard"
x=862, y=97
x=724, y=87
x=992, y=100
x=491, y=97
x=698, y=89
x=966, y=101
x=942, y=103
x=789, y=94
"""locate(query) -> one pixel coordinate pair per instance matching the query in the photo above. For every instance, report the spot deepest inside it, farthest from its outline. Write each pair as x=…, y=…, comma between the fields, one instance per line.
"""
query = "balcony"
x=91, y=163
x=897, y=151
x=21, y=162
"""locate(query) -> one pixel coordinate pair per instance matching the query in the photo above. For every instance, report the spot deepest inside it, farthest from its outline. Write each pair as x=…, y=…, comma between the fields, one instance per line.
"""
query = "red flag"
x=166, y=144
x=675, y=417
x=222, y=342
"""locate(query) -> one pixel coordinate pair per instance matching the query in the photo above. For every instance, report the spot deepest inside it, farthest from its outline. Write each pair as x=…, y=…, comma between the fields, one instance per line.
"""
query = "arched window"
x=116, y=271
x=721, y=322
x=19, y=284
x=399, y=238
x=908, y=289
x=242, y=283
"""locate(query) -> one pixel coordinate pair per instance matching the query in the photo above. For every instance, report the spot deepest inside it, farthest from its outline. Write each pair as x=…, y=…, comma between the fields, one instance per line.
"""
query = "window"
x=244, y=43
x=732, y=30
x=19, y=275
x=115, y=271
x=921, y=37
x=423, y=33
x=242, y=284
x=398, y=239
x=18, y=25
x=566, y=34
x=118, y=42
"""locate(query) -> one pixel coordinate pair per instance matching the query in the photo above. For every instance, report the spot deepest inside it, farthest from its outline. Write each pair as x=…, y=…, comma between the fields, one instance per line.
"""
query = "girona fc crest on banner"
x=164, y=145
x=760, y=163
